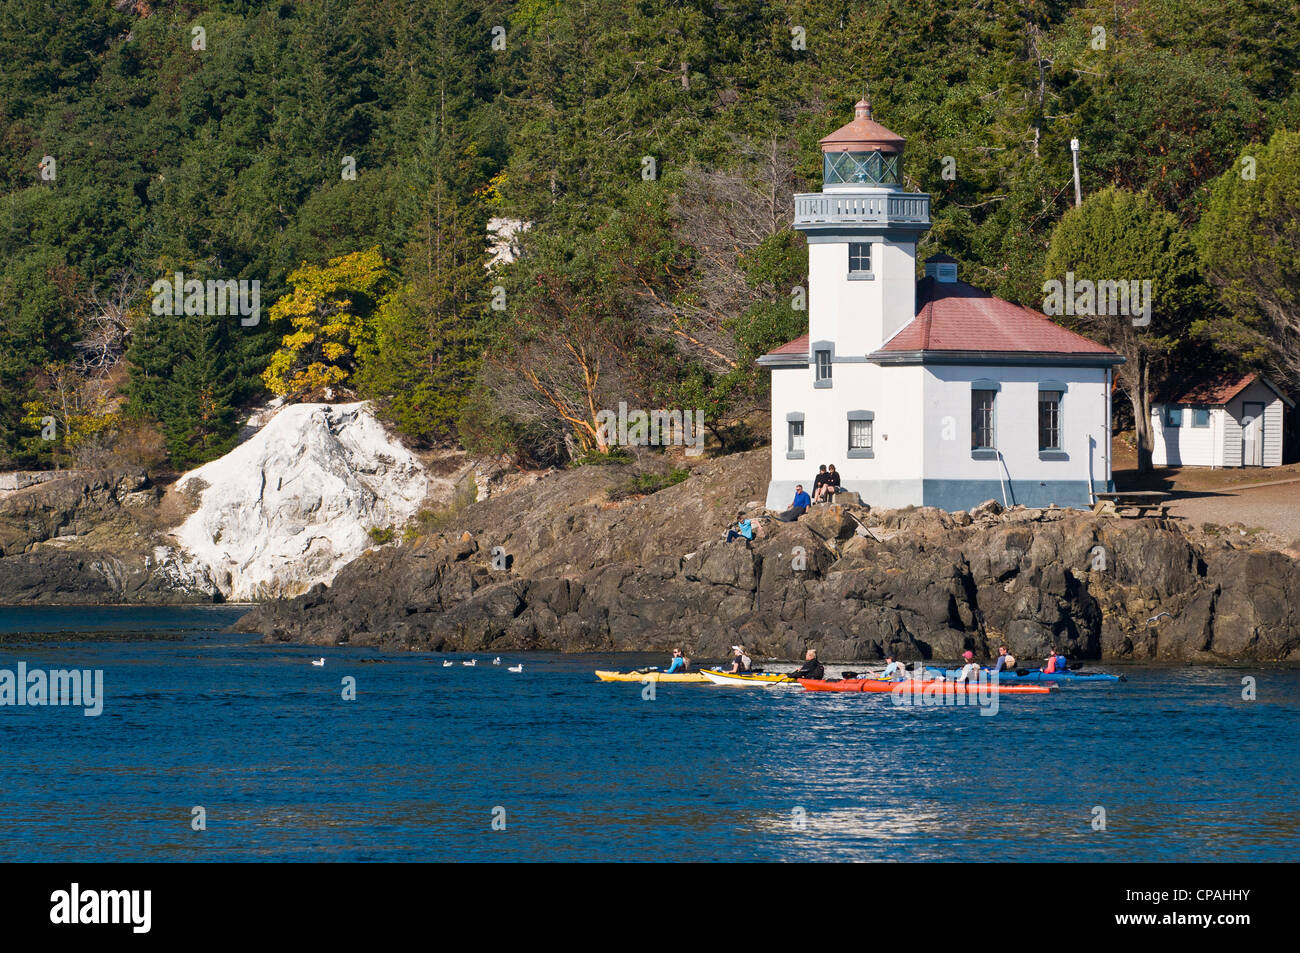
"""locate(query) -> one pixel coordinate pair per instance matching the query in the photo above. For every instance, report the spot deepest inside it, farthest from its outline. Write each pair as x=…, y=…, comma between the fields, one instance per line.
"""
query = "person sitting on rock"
x=893, y=669
x=680, y=663
x=741, y=663
x=1006, y=662
x=829, y=486
x=811, y=667
x=798, y=508
x=971, y=670
x=818, y=481
x=742, y=530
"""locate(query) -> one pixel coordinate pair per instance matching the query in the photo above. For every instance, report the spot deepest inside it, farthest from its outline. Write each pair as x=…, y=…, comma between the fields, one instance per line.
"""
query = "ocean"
x=481, y=764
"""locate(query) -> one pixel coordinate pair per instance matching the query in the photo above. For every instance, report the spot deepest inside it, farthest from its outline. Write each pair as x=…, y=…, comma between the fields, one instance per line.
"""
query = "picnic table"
x=1133, y=503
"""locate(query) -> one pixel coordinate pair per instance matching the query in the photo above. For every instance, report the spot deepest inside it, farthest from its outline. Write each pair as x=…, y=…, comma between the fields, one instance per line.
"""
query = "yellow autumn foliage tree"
x=331, y=312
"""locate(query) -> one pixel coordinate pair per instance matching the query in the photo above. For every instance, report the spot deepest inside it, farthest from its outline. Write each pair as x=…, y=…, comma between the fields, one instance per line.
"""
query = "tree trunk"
x=1140, y=398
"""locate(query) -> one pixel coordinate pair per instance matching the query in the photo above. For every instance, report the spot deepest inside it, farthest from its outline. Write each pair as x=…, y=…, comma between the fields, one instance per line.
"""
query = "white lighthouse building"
x=928, y=392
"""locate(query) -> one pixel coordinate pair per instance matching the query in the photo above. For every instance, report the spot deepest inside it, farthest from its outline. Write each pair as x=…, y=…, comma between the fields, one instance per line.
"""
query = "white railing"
x=827, y=208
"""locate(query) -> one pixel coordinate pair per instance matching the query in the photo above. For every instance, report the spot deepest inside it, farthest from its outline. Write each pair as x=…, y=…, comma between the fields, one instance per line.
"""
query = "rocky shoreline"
x=555, y=566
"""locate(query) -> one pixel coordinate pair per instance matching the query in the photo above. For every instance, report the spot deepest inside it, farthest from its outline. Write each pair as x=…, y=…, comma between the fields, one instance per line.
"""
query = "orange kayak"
x=918, y=688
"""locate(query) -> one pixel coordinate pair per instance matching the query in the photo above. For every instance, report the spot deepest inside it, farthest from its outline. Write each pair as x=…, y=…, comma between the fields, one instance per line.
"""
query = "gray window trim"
x=985, y=453
x=858, y=274
x=1060, y=422
x=1053, y=385
x=861, y=453
x=823, y=383
x=791, y=418
x=1208, y=411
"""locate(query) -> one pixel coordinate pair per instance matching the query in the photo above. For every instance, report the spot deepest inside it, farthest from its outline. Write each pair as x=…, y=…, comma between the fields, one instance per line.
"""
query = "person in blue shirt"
x=1006, y=662
x=743, y=530
x=679, y=664
x=893, y=669
x=798, y=508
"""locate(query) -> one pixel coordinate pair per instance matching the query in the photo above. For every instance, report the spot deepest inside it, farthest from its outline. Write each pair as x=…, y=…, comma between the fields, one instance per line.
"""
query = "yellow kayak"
x=650, y=676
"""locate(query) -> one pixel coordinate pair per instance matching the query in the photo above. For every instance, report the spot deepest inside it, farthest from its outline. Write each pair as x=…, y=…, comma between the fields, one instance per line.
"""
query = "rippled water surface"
x=1184, y=768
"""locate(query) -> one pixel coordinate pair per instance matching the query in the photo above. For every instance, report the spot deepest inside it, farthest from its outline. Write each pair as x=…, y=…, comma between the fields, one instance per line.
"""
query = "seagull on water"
x=516, y=668
x=497, y=660
x=472, y=661
x=448, y=664
x=319, y=663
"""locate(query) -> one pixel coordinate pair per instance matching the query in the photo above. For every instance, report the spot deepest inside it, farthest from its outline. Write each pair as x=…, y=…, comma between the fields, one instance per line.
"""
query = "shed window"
x=1200, y=416
x=1173, y=416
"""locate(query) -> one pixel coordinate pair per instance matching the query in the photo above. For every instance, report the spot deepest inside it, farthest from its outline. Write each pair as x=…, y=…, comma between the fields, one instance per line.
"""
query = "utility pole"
x=1078, y=192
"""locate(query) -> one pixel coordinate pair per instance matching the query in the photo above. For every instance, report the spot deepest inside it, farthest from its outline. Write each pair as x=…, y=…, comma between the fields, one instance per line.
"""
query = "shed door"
x=1252, y=434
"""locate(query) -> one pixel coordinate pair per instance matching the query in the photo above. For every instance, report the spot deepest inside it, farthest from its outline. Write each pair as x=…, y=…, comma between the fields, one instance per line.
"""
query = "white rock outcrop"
x=291, y=505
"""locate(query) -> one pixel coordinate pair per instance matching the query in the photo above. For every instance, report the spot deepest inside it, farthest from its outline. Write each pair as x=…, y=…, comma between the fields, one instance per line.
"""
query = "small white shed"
x=1235, y=420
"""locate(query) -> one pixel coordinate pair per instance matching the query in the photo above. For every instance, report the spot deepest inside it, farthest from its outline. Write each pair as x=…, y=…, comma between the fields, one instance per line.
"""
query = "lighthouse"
x=862, y=230
x=921, y=389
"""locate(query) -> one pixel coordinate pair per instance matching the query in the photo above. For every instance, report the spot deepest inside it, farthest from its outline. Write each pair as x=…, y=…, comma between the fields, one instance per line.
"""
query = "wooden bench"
x=1134, y=504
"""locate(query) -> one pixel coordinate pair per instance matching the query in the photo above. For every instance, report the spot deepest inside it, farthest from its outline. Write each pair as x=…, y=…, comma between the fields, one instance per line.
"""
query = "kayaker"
x=971, y=670
x=741, y=663
x=893, y=669
x=811, y=667
x=1056, y=663
x=679, y=663
x=1006, y=662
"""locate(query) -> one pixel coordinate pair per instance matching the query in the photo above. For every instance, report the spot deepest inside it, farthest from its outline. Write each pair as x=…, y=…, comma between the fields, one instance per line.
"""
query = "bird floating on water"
x=516, y=668
x=448, y=664
x=497, y=660
x=472, y=661
x=319, y=663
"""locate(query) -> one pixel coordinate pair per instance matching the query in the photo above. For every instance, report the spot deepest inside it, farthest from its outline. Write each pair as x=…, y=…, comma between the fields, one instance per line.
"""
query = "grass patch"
x=643, y=484
x=616, y=455
x=382, y=534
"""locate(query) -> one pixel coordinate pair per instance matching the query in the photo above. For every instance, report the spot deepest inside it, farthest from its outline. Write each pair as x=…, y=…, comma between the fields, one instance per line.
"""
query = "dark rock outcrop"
x=649, y=574
x=88, y=538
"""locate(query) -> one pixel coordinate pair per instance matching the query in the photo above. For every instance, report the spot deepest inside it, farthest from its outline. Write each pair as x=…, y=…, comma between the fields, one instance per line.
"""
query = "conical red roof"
x=863, y=134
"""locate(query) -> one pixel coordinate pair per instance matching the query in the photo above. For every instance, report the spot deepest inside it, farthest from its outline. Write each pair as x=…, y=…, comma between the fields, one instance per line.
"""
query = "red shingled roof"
x=954, y=316
x=798, y=346
x=1213, y=390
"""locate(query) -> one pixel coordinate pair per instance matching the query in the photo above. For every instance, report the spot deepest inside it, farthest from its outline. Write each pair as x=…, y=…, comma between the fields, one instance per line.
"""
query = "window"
x=1200, y=416
x=823, y=365
x=859, y=435
x=981, y=419
x=1049, y=420
x=859, y=258
x=1173, y=416
x=796, y=436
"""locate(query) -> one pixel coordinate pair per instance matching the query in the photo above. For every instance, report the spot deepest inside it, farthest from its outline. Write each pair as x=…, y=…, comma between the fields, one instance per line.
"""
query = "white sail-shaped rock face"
x=294, y=503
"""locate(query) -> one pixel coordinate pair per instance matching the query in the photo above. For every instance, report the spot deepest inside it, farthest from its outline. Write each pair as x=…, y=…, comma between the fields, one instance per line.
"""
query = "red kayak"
x=920, y=688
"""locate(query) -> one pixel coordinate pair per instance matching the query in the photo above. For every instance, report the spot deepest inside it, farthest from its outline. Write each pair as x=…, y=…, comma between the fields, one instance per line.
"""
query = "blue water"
x=414, y=767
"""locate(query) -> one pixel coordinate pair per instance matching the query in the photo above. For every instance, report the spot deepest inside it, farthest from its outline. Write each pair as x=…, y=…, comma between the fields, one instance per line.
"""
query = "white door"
x=1252, y=434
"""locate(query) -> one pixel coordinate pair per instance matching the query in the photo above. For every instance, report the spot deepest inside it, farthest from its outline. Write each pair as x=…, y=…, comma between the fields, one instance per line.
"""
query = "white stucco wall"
x=948, y=453
x=860, y=314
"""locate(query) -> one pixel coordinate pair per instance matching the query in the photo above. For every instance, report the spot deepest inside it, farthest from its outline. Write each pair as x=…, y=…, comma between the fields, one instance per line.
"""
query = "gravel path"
x=1275, y=508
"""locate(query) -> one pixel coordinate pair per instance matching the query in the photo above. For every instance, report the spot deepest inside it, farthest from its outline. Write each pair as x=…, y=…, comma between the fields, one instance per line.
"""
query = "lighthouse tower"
x=862, y=230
